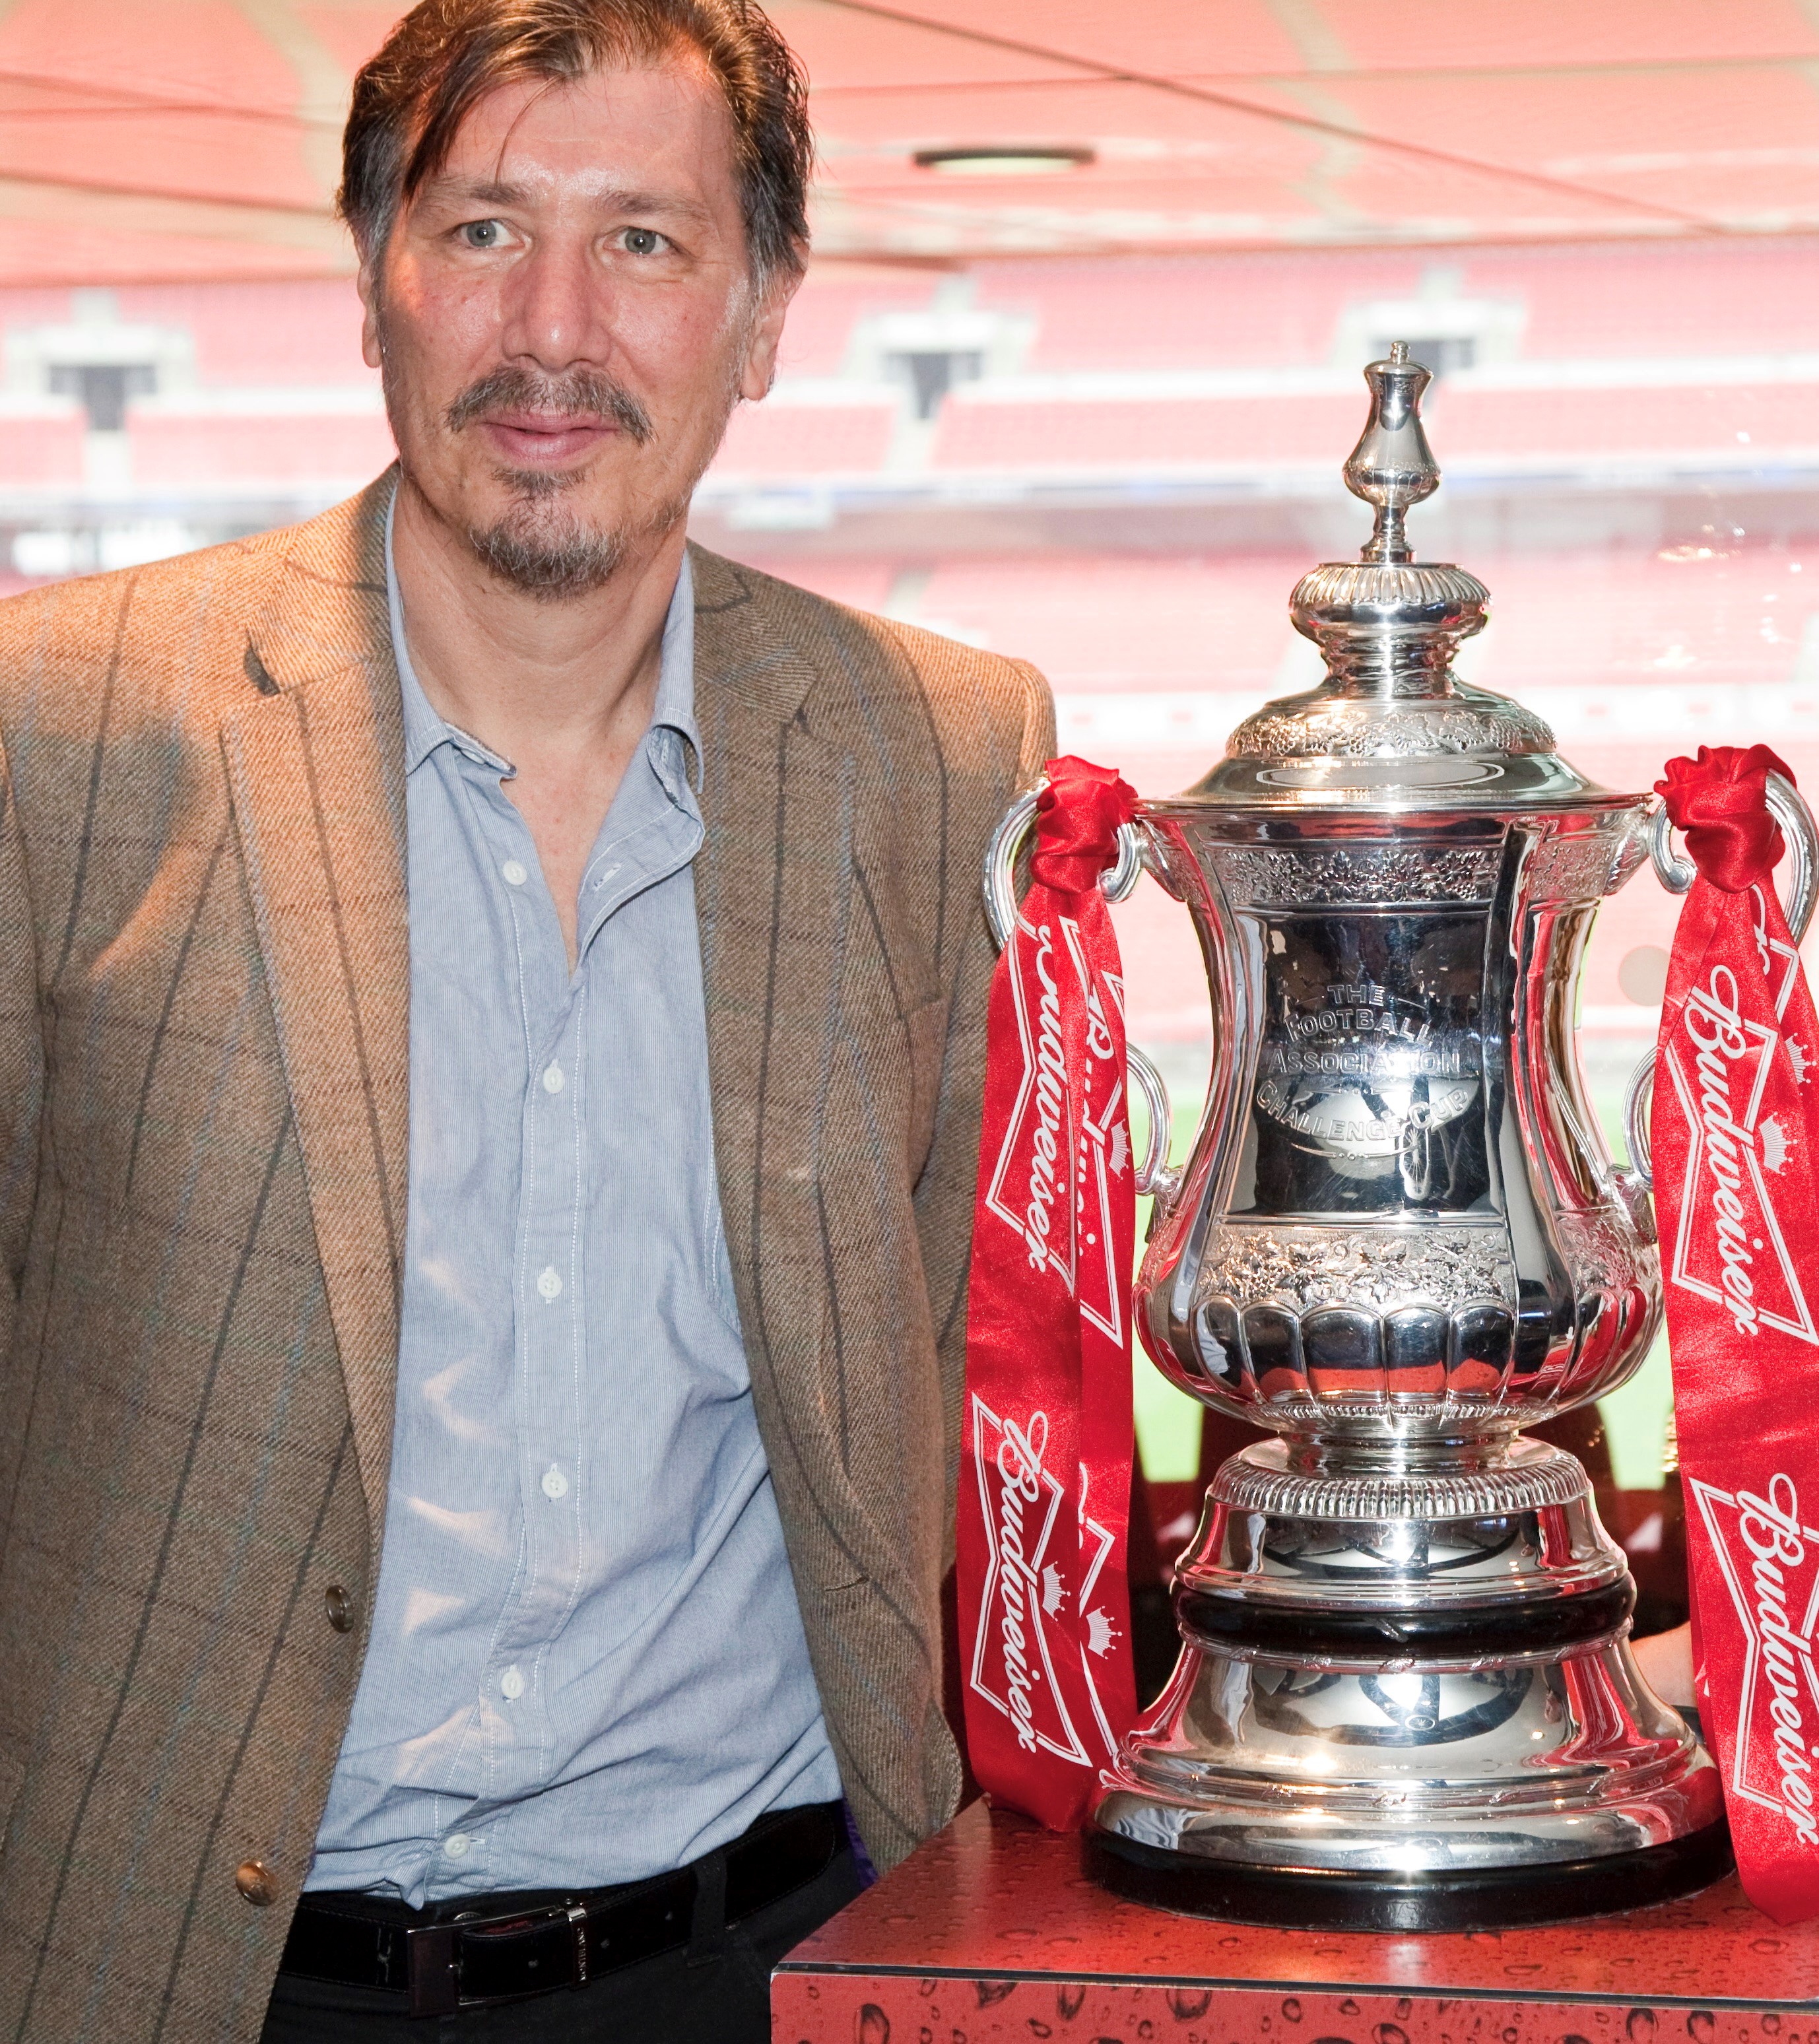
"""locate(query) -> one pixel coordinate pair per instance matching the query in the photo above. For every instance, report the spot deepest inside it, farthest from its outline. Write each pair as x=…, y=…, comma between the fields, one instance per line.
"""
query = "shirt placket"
x=549, y=1333
x=656, y=830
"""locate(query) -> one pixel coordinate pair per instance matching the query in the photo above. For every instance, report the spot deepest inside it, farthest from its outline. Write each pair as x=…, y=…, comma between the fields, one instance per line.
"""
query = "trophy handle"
x=1154, y=1176
x=1676, y=875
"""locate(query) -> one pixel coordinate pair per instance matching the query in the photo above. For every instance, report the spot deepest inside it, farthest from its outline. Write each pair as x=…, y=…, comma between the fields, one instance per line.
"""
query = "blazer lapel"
x=315, y=761
x=773, y=930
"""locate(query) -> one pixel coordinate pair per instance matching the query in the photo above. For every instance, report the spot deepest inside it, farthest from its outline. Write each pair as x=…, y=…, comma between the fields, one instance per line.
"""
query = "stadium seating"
x=1742, y=421
x=765, y=441
x=1246, y=312
x=1627, y=368
x=40, y=448
x=280, y=334
x=230, y=452
x=1143, y=434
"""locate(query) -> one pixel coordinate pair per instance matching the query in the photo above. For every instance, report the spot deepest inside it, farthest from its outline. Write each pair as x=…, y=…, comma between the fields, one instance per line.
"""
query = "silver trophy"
x=1406, y=1699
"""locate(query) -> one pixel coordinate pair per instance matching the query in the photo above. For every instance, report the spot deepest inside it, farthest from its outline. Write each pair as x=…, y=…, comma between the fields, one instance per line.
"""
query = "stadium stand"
x=979, y=430
x=1254, y=311
x=299, y=333
x=1632, y=432
x=1743, y=298
x=792, y=439
x=174, y=445
x=42, y=442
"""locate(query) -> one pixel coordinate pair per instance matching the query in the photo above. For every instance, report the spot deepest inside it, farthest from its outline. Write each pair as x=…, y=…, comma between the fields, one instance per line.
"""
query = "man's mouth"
x=546, y=422
x=547, y=440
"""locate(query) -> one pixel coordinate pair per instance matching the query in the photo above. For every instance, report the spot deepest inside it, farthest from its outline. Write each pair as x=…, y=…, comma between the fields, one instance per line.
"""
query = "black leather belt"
x=501, y=1947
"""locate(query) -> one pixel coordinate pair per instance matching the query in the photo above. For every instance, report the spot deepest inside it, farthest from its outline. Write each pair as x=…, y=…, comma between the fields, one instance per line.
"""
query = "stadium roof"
x=167, y=139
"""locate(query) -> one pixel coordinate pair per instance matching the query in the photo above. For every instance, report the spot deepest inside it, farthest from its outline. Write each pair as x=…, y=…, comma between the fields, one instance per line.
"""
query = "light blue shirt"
x=587, y=1664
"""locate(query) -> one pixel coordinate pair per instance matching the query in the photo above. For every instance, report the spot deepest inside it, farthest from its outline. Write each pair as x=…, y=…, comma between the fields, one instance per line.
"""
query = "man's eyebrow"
x=489, y=191
x=480, y=191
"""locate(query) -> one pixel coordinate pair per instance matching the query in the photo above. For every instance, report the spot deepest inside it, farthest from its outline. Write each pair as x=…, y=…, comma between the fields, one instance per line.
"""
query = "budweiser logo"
x=1026, y=1587
x=1767, y=1557
x=1729, y=1246
x=1051, y=1182
x=1049, y=1145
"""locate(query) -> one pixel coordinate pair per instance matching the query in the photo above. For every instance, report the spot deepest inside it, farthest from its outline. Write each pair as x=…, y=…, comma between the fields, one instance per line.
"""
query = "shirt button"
x=512, y=1685
x=555, y=1483
x=455, y=1845
x=340, y=1607
x=549, y=1284
x=516, y=872
x=553, y=1079
x=257, y=1882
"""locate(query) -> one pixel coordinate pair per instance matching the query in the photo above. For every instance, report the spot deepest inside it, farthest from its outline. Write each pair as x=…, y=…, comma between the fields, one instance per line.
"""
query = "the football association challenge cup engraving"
x=1405, y=1697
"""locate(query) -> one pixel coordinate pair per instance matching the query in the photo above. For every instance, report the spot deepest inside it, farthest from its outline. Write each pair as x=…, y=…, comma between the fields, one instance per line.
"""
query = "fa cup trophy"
x=1405, y=1698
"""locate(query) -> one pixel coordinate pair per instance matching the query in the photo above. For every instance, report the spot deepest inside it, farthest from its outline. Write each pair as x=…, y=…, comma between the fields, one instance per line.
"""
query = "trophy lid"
x=1392, y=727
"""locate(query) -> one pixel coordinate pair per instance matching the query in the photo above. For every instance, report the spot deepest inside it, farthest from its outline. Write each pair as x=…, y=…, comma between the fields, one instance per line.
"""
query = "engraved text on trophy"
x=1369, y=1092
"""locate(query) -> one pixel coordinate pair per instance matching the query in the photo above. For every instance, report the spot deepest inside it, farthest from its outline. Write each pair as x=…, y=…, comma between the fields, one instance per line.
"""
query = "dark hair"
x=410, y=99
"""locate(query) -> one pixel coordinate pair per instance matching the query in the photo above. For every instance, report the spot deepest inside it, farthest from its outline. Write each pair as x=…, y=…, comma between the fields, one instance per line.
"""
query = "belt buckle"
x=430, y=1971
x=433, y=1970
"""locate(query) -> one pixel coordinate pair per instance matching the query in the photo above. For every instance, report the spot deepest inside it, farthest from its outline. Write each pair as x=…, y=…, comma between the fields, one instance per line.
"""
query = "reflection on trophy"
x=1405, y=1698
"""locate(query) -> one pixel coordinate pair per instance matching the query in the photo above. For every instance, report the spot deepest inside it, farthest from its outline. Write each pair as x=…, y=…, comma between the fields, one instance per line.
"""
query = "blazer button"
x=340, y=1607
x=257, y=1884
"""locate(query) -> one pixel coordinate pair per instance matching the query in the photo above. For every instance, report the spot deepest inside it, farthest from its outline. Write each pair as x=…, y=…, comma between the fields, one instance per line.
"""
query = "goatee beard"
x=539, y=546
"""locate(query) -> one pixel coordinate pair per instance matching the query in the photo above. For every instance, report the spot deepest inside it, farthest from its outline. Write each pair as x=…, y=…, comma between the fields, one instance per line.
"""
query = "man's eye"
x=483, y=233
x=642, y=241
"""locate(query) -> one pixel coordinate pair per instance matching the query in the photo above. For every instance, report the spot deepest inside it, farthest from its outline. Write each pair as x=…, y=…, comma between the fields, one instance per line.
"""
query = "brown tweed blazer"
x=203, y=1089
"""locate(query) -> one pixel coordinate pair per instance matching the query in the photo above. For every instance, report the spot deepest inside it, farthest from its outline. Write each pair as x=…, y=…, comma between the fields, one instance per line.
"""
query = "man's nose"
x=559, y=307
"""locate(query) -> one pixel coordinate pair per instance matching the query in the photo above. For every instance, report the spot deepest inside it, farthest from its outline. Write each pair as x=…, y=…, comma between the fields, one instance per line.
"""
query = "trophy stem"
x=1422, y=1454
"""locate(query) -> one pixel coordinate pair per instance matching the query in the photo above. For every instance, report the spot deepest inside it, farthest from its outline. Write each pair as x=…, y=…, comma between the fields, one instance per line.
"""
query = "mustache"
x=577, y=393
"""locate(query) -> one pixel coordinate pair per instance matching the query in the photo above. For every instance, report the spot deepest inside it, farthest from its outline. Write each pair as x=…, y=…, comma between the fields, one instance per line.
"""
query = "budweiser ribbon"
x=1045, y=1477
x=1736, y=1146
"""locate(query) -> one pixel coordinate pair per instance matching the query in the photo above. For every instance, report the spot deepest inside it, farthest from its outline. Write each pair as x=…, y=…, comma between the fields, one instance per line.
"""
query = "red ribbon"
x=1736, y=1143
x=1045, y=1475
x=1721, y=801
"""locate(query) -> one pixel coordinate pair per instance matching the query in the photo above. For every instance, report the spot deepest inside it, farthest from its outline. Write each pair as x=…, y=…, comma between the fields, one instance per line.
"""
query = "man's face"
x=564, y=316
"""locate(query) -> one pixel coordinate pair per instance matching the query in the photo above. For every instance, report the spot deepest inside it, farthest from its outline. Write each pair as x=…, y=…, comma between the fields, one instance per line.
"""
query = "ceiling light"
x=1026, y=160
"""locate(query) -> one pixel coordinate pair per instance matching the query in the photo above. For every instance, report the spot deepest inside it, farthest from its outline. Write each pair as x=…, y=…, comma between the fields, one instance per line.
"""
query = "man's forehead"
x=613, y=106
x=610, y=137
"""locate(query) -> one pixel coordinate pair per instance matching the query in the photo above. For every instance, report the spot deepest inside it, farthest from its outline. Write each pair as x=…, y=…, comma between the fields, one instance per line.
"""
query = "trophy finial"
x=1393, y=466
x=1385, y=625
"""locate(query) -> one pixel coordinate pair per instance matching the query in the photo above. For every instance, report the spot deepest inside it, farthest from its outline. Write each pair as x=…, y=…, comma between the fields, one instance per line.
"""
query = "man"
x=491, y=1007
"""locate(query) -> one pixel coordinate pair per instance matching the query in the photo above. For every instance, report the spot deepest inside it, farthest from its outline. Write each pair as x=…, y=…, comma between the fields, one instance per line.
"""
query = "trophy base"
x=1405, y=1701
x=1500, y=1898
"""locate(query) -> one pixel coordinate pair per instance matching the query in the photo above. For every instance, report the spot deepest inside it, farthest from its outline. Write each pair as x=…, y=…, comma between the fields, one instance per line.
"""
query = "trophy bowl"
x=1405, y=1698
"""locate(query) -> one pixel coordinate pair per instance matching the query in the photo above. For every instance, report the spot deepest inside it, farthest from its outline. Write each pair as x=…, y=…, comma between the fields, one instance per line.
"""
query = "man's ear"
x=759, y=370
x=366, y=283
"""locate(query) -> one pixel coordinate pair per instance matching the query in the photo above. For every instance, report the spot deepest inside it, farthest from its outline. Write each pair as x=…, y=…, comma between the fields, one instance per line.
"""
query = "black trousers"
x=717, y=1990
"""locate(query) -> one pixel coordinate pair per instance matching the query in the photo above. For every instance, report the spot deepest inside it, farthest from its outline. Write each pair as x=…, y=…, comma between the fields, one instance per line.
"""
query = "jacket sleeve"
x=945, y=1192
x=21, y=1105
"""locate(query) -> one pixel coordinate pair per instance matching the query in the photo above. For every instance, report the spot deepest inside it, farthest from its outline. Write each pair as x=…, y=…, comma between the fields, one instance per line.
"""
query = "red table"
x=992, y=1932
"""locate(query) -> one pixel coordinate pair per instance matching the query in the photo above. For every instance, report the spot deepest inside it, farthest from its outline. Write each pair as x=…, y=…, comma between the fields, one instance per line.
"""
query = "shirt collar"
x=423, y=730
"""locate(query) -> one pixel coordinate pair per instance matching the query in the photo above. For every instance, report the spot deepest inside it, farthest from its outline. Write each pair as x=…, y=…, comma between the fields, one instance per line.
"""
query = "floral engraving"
x=1377, y=874
x=1583, y=868
x=1381, y=1268
x=1605, y=1253
x=1345, y=728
